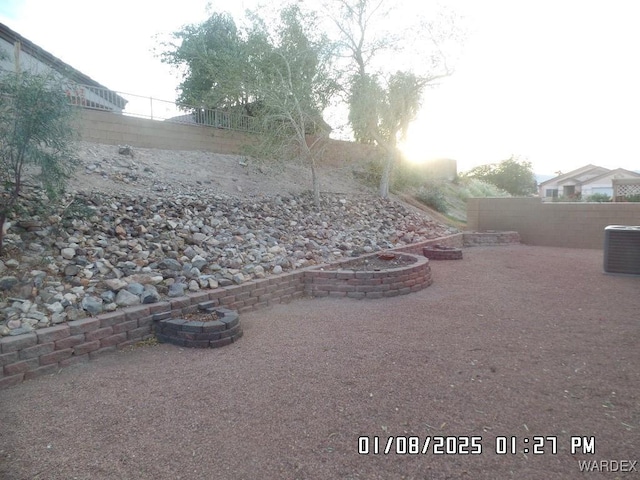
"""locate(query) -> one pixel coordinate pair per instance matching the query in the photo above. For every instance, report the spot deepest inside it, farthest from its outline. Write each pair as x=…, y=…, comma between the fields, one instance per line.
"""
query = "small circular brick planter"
x=204, y=333
x=440, y=252
x=348, y=279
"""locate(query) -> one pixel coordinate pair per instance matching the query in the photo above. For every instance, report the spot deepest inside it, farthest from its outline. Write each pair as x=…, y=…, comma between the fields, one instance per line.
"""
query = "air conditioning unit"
x=622, y=249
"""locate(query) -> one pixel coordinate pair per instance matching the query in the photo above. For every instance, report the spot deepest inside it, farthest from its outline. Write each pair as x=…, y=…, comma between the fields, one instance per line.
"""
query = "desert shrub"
x=432, y=196
x=36, y=134
x=404, y=176
x=407, y=175
x=371, y=173
x=474, y=188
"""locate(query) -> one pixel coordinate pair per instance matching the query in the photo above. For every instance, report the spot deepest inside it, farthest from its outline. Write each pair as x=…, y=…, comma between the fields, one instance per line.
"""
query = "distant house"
x=15, y=50
x=583, y=182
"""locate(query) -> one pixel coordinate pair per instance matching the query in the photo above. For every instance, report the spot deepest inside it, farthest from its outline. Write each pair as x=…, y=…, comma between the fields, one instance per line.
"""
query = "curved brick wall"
x=217, y=333
x=363, y=284
x=438, y=252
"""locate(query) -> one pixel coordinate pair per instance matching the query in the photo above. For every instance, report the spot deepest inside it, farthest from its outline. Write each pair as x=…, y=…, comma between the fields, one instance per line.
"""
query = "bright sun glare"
x=413, y=151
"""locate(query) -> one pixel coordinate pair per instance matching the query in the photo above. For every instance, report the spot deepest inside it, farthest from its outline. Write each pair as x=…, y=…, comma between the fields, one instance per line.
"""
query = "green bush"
x=599, y=197
x=433, y=197
x=36, y=134
x=407, y=175
x=631, y=198
x=569, y=198
x=474, y=188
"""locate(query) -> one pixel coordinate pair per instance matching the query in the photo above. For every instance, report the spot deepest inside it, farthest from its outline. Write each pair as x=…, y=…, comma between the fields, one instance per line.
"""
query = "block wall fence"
x=47, y=350
x=114, y=129
x=572, y=225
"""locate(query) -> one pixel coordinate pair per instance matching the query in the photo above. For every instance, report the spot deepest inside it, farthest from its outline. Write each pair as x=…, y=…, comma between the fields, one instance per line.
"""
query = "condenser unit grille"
x=622, y=249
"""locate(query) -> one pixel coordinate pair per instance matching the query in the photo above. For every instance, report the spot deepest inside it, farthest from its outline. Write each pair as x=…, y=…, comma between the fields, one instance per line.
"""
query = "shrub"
x=569, y=198
x=631, y=198
x=433, y=197
x=404, y=176
x=35, y=139
x=599, y=197
x=407, y=175
x=473, y=188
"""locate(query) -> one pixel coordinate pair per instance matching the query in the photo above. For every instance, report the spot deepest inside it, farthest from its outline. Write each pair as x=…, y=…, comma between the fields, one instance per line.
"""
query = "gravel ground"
x=511, y=341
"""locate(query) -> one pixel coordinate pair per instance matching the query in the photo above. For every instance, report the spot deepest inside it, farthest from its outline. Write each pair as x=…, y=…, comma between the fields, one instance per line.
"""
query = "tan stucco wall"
x=575, y=225
x=115, y=129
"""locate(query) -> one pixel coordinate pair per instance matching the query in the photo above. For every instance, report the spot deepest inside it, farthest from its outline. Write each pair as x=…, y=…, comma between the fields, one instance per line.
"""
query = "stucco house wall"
x=16, y=50
x=583, y=182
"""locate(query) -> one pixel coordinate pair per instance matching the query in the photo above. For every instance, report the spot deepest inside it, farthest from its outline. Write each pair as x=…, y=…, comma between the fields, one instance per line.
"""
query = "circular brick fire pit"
x=441, y=252
x=212, y=327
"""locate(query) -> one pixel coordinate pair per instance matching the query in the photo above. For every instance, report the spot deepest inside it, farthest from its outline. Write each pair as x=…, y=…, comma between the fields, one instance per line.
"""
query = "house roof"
x=628, y=173
x=573, y=173
x=55, y=63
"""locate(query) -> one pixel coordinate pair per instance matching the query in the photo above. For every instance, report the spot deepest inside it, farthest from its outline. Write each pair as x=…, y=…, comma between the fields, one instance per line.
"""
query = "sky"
x=554, y=82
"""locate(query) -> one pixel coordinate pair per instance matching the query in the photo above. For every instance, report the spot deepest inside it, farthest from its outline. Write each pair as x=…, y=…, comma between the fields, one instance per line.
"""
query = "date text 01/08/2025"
x=471, y=445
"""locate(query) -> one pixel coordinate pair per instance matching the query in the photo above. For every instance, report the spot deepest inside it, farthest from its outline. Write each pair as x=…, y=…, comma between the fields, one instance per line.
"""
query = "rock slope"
x=101, y=251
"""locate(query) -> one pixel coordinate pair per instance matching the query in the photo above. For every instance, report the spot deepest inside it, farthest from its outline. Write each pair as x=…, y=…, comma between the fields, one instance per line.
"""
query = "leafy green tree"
x=295, y=83
x=213, y=59
x=280, y=72
x=512, y=175
x=35, y=139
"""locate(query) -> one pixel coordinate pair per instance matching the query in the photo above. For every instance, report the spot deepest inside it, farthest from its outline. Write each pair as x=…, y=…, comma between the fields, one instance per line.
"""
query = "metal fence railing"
x=104, y=99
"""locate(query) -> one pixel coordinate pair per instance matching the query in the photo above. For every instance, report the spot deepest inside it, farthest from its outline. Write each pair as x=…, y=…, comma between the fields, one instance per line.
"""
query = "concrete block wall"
x=114, y=129
x=572, y=225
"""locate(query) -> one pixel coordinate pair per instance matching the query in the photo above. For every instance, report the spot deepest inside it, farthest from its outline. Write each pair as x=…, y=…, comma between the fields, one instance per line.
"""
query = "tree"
x=295, y=83
x=278, y=72
x=212, y=59
x=383, y=114
x=35, y=139
x=381, y=106
x=512, y=175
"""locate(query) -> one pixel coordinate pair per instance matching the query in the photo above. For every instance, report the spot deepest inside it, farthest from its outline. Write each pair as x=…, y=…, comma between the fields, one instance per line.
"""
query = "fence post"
x=151, y=103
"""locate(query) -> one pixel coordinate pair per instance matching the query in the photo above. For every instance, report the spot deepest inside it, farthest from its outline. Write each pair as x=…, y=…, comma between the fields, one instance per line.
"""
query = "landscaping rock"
x=92, y=304
x=7, y=283
x=180, y=237
x=126, y=299
x=176, y=290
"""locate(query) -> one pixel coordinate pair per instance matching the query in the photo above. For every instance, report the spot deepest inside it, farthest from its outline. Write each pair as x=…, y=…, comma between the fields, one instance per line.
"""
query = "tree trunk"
x=386, y=173
x=3, y=219
x=316, y=185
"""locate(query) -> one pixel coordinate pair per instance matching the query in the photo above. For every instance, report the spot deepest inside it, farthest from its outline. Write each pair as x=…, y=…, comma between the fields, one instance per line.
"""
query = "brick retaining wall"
x=46, y=350
x=473, y=239
x=363, y=284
